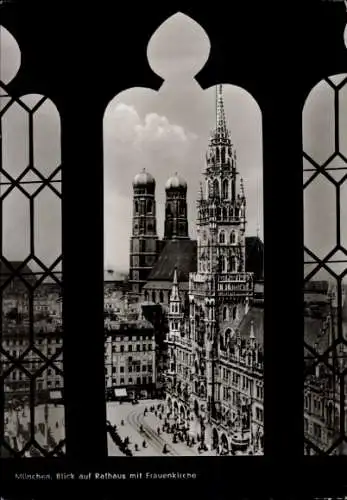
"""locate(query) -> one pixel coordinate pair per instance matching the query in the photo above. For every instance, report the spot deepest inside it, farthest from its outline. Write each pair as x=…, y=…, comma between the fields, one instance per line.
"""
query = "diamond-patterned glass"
x=325, y=267
x=31, y=333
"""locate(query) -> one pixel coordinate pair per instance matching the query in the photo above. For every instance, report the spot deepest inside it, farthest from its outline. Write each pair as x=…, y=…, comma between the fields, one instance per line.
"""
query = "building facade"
x=130, y=362
x=322, y=387
x=214, y=381
x=47, y=340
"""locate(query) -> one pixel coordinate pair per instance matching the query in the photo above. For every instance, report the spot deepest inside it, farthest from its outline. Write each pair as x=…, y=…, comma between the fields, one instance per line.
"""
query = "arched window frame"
x=222, y=237
x=96, y=444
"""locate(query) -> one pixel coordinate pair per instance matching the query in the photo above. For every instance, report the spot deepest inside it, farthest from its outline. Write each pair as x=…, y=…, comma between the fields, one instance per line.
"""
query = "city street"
x=133, y=417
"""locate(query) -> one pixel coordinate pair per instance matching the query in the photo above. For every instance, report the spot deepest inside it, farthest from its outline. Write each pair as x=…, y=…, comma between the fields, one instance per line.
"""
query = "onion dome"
x=143, y=179
x=176, y=182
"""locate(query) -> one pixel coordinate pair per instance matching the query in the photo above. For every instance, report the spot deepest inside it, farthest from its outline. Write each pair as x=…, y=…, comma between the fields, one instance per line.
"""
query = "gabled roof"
x=176, y=253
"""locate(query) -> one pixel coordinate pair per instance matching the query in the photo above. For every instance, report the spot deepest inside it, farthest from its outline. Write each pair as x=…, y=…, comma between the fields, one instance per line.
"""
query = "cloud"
x=125, y=125
x=132, y=142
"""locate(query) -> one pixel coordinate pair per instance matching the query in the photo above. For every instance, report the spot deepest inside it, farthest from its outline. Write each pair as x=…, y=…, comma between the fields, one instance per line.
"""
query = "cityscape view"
x=184, y=324
x=184, y=288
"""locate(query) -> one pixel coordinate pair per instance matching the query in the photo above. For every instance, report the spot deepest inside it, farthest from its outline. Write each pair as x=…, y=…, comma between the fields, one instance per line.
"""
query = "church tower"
x=143, y=243
x=221, y=288
x=176, y=216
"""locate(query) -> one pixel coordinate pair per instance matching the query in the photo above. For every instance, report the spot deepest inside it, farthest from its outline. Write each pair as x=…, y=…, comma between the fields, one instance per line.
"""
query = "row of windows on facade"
x=233, y=396
x=139, y=381
x=231, y=377
x=258, y=415
x=235, y=378
x=19, y=375
x=144, y=245
x=242, y=382
x=15, y=353
x=144, y=228
x=148, y=207
x=313, y=428
x=137, y=368
x=229, y=314
x=156, y=296
x=320, y=408
x=223, y=237
x=247, y=385
x=227, y=266
x=219, y=189
x=222, y=213
x=40, y=386
x=25, y=342
x=133, y=338
x=129, y=348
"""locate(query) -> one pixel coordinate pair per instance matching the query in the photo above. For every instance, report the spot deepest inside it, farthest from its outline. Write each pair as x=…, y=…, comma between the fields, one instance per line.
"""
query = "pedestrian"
x=158, y=431
x=160, y=417
x=144, y=444
x=156, y=413
x=122, y=422
x=141, y=428
x=165, y=450
x=136, y=447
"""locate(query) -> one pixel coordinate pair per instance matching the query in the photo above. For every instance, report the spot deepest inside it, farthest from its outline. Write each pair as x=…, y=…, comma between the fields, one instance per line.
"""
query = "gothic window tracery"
x=30, y=267
x=216, y=188
x=325, y=251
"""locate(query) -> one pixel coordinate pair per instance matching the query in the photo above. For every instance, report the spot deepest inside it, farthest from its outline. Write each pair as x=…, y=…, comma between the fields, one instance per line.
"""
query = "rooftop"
x=176, y=253
x=255, y=315
x=183, y=255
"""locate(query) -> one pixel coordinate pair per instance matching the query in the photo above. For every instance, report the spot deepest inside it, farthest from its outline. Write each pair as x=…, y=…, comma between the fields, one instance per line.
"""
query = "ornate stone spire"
x=174, y=290
x=221, y=126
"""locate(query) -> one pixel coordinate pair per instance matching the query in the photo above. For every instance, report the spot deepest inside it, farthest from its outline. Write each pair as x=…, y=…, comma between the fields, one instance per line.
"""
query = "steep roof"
x=255, y=256
x=183, y=255
x=255, y=314
x=165, y=285
x=176, y=253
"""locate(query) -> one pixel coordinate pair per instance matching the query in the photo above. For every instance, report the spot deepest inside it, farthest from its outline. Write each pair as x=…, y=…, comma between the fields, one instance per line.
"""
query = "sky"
x=165, y=132
x=168, y=131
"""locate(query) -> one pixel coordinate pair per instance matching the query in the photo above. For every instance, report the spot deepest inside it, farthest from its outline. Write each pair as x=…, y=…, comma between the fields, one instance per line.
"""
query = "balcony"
x=235, y=277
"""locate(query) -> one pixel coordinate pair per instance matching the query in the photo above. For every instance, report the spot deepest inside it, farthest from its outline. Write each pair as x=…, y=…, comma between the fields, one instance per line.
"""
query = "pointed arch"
x=225, y=189
x=233, y=264
x=225, y=313
x=216, y=188
x=30, y=265
x=222, y=237
x=153, y=125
